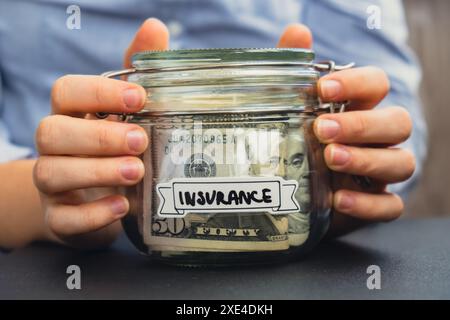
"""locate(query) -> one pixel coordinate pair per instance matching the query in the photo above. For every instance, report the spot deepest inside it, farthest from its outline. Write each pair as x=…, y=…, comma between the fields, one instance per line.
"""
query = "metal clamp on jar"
x=234, y=173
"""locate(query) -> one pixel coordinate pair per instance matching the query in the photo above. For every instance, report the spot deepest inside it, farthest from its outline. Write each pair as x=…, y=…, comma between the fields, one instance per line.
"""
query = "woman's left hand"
x=360, y=141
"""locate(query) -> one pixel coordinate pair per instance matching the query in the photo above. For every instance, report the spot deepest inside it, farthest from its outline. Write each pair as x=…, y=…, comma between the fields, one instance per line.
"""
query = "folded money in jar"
x=234, y=174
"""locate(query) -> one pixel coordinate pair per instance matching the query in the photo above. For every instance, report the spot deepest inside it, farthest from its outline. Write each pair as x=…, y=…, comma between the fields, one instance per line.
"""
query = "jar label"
x=221, y=194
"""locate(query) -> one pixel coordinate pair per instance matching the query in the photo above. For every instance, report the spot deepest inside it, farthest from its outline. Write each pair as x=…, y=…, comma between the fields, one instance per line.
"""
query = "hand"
x=83, y=161
x=360, y=141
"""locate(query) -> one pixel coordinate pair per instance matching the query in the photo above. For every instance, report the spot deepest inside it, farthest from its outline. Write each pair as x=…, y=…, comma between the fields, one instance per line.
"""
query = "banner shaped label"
x=214, y=195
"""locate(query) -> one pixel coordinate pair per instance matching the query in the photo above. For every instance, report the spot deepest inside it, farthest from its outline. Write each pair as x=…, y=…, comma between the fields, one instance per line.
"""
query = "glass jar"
x=234, y=173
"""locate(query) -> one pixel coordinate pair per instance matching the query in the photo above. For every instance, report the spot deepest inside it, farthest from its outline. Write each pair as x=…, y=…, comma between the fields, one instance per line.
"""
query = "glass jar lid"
x=210, y=58
x=239, y=80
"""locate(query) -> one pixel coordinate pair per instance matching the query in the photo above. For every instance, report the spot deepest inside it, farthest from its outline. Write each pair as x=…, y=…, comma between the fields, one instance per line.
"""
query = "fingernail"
x=136, y=140
x=133, y=98
x=339, y=155
x=119, y=207
x=330, y=89
x=130, y=170
x=327, y=129
x=345, y=201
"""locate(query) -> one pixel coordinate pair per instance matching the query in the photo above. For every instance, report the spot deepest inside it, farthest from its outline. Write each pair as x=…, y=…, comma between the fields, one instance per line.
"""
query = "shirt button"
x=175, y=28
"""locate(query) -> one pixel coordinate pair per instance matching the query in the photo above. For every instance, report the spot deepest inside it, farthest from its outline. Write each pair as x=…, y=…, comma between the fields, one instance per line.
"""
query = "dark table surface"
x=413, y=255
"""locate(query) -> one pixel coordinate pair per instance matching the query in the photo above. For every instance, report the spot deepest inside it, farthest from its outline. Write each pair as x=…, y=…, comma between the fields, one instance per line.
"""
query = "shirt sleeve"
x=374, y=33
x=8, y=150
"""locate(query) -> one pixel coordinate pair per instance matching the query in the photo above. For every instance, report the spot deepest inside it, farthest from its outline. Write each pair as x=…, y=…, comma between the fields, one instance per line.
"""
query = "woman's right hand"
x=83, y=161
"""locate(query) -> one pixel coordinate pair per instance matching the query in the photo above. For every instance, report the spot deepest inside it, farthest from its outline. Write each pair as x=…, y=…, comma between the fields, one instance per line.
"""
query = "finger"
x=385, y=164
x=152, y=35
x=67, y=220
x=59, y=174
x=64, y=135
x=380, y=126
x=76, y=94
x=367, y=206
x=296, y=36
x=363, y=87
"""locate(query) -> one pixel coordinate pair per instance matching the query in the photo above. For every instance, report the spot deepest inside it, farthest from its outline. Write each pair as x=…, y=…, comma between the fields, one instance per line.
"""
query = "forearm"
x=21, y=216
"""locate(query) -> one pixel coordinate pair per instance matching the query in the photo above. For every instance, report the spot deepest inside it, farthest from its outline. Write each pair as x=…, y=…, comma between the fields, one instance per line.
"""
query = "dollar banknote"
x=297, y=168
x=229, y=151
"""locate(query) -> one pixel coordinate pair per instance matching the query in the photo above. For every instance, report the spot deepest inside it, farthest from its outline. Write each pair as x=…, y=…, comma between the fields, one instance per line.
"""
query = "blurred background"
x=429, y=36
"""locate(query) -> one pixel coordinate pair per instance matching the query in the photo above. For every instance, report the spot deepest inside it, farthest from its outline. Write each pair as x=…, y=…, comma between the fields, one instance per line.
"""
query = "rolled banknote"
x=227, y=151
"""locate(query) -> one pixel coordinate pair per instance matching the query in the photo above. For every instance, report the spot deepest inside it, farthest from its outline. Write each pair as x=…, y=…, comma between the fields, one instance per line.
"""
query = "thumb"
x=296, y=36
x=152, y=35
